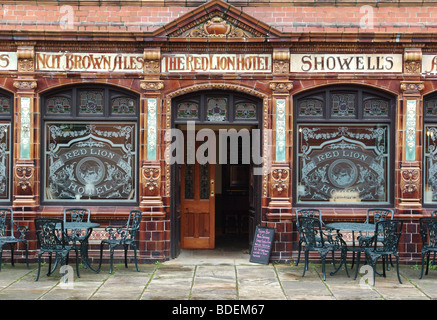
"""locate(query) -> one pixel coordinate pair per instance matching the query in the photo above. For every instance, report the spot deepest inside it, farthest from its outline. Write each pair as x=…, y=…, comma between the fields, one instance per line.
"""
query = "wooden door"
x=197, y=206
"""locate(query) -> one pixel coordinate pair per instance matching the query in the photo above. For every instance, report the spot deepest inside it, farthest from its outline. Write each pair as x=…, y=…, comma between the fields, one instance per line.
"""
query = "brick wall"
x=286, y=19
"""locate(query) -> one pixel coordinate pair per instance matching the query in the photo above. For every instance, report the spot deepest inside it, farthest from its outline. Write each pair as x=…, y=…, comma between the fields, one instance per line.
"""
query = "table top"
x=352, y=226
x=80, y=225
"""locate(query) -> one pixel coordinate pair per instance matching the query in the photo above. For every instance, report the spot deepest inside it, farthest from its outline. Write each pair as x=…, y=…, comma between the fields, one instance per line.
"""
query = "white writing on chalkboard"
x=262, y=245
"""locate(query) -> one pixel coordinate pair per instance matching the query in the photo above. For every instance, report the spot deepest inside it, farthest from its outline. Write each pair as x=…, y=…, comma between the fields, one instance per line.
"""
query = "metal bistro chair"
x=125, y=235
x=305, y=212
x=51, y=239
x=428, y=233
x=385, y=242
x=317, y=240
x=11, y=239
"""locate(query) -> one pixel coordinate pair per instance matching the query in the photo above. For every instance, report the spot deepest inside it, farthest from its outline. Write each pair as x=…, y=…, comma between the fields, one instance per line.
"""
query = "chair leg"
x=50, y=264
x=135, y=256
x=423, y=264
x=323, y=267
x=1, y=254
x=125, y=254
x=12, y=254
x=77, y=263
x=427, y=262
x=397, y=269
x=111, y=250
x=306, y=263
x=358, y=264
x=39, y=267
x=27, y=254
x=298, y=252
x=101, y=255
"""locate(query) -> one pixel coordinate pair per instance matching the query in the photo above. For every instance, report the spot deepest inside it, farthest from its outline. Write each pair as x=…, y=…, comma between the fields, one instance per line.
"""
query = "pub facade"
x=116, y=118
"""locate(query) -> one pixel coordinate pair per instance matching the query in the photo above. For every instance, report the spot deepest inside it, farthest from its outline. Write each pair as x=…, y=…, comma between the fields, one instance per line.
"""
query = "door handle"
x=212, y=187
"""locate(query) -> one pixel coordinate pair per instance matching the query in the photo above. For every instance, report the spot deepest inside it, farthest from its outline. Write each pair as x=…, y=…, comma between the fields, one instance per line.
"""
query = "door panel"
x=197, y=206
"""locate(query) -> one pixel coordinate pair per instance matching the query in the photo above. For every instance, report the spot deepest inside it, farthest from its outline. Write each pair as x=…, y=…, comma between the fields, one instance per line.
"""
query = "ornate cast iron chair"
x=316, y=239
x=374, y=215
x=11, y=239
x=51, y=239
x=305, y=212
x=385, y=242
x=125, y=235
x=428, y=234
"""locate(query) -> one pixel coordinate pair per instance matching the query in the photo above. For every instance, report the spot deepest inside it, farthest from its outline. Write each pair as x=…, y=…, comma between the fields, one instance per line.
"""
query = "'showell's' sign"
x=216, y=63
x=8, y=61
x=346, y=63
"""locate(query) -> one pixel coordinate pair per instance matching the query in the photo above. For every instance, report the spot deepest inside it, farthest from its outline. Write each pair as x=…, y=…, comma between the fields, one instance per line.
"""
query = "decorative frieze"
x=412, y=87
x=281, y=86
x=151, y=85
x=25, y=84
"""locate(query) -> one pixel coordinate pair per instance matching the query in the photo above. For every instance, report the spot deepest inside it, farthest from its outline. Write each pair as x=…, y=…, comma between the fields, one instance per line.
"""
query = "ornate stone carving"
x=152, y=85
x=411, y=87
x=24, y=177
x=280, y=180
x=216, y=27
x=152, y=180
x=410, y=180
x=412, y=60
x=25, y=55
x=25, y=84
x=281, y=61
x=152, y=61
x=281, y=86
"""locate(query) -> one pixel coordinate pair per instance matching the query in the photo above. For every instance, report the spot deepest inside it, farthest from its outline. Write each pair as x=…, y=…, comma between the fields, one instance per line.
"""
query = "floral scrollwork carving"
x=410, y=180
x=152, y=180
x=280, y=180
x=24, y=177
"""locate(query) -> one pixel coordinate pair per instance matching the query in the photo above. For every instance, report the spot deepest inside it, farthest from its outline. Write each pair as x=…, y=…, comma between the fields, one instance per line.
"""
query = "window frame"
x=427, y=120
x=8, y=118
x=110, y=92
x=362, y=94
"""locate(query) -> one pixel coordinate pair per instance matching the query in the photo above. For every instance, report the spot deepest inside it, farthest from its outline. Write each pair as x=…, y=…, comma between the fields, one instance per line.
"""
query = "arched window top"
x=217, y=107
x=344, y=103
x=90, y=101
x=6, y=104
x=430, y=106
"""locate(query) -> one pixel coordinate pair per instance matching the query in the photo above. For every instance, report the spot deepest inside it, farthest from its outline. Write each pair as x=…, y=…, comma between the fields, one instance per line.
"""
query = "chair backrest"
x=50, y=233
x=378, y=214
x=388, y=233
x=133, y=223
x=428, y=231
x=77, y=215
x=311, y=231
x=3, y=218
x=308, y=212
x=434, y=213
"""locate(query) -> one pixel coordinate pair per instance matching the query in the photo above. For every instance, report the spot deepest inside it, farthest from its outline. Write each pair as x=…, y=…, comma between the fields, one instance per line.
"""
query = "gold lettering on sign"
x=106, y=62
x=216, y=63
x=345, y=63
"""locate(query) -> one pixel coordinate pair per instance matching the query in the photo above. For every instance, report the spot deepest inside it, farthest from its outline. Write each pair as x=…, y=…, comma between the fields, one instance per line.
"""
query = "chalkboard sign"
x=262, y=245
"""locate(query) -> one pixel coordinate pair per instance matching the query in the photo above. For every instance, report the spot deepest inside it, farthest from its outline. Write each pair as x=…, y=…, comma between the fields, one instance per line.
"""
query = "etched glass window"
x=5, y=104
x=343, y=163
x=245, y=110
x=216, y=109
x=121, y=106
x=430, y=166
x=91, y=102
x=90, y=161
x=375, y=108
x=430, y=107
x=310, y=107
x=5, y=161
x=58, y=105
x=188, y=110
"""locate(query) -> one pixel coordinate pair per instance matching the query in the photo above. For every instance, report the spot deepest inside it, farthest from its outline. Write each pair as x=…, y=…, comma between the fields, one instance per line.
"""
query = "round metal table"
x=88, y=226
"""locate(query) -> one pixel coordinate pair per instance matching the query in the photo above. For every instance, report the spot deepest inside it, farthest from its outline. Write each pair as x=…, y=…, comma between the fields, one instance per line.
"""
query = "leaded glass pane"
x=343, y=105
x=245, y=110
x=5, y=105
x=91, y=102
x=430, y=170
x=431, y=107
x=376, y=108
x=121, y=106
x=204, y=181
x=188, y=110
x=93, y=161
x=189, y=181
x=217, y=109
x=58, y=105
x=310, y=107
x=5, y=160
x=343, y=163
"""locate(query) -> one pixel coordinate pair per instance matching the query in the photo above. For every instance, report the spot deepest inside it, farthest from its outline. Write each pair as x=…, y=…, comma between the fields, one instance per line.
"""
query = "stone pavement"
x=212, y=275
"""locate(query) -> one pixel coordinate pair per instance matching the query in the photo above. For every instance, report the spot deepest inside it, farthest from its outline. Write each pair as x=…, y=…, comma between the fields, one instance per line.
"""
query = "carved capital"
x=281, y=86
x=412, y=60
x=412, y=87
x=152, y=61
x=25, y=84
x=152, y=85
x=24, y=177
